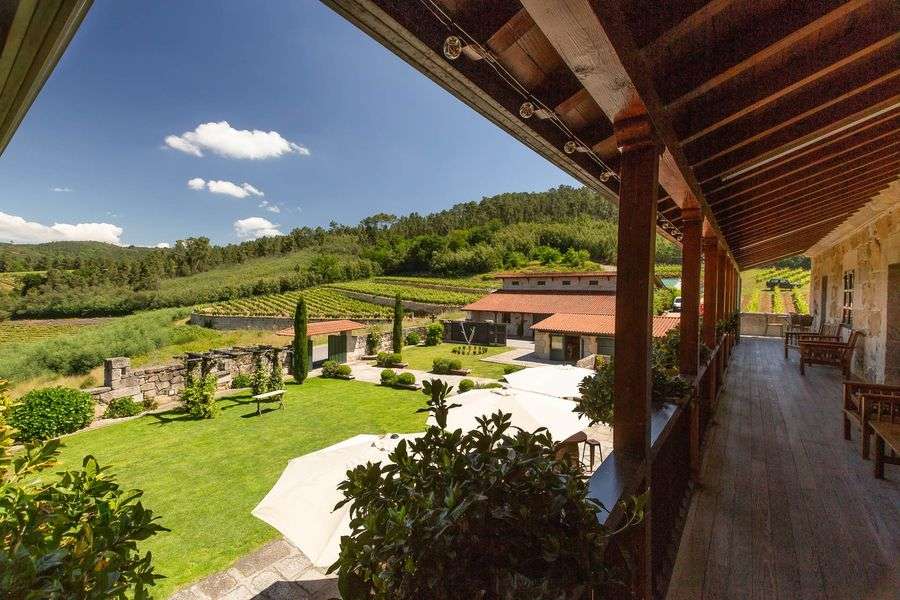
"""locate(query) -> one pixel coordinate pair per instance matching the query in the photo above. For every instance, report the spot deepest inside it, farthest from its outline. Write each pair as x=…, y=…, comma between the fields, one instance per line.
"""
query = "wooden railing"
x=677, y=433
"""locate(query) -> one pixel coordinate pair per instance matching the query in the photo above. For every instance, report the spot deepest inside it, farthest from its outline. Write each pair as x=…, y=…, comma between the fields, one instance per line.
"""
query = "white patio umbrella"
x=301, y=504
x=554, y=380
x=528, y=410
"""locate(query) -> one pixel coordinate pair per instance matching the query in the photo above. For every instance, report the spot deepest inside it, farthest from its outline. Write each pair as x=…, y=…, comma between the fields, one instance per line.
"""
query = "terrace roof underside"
x=778, y=118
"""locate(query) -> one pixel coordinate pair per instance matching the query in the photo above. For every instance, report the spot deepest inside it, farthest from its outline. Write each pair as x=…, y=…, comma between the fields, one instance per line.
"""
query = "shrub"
x=276, y=375
x=413, y=338
x=259, y=381
x=300, y=345
x=511, y=369
x=241, y=380
x=71, y=534
x=434, y=334
x=50, y=412
x=406, y=379
x=199, y=396
x=397, y=335
x=122, y=407
x=388, y=359
x=455, y=364
x=388, y=377
x=344, y=370
x=440, y=365
x=150, y=403
x=373, y=340
x=489, y=386
x=465, y=385
x=331, y=368
x=453, y=492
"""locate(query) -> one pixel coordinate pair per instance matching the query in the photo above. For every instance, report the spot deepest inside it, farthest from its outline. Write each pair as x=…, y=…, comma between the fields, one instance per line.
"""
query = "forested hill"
x=63, y=255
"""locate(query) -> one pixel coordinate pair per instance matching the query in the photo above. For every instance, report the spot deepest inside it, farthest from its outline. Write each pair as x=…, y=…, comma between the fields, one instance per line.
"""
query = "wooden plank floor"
x=787, y=508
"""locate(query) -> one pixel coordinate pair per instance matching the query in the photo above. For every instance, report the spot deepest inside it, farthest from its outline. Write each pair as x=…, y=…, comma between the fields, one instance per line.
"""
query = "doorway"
x=823, y=300
x=572, y=349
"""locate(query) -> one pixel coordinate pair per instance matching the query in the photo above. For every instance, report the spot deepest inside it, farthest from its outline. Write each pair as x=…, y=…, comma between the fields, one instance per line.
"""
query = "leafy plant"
x=511, y=369
x=413, y=338
x=199, y=396
x=241, y=380
x=301, y=356
x=388, y=377
x=440, y=365
x=344, y=370
x=406, y=379
x=50, y=412
x=331, y=368
x=388, y=359
x=276, y=375
x=373, y=340
x=465, y=385
x=122, y=407
x=434, y=334
x=488, y=514
x=397, y=336
x=259, y=381
x=69, y=535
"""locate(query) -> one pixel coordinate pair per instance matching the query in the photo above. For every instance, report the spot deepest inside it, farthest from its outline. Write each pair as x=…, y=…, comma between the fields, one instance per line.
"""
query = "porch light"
x=526, y=111
x=570, y=147
x=605, y=175
x=453, y=47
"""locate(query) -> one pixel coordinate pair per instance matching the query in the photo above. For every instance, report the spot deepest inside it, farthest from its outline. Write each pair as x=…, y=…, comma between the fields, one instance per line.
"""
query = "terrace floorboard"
x=787, y=508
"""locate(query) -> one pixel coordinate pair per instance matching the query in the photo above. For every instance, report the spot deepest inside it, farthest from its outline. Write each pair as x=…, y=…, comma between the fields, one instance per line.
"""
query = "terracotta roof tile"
x=546, y=303
x=325, y=327
x=596, y=324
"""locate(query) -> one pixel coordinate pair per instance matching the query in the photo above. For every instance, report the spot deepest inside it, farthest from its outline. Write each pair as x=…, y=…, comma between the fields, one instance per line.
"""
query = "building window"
x=606, y=345
x=566, y=282
x=593, y=282
x=847, y=313
x=542, y=282
x=506, y=317
x=515, y=283
x=557, y=347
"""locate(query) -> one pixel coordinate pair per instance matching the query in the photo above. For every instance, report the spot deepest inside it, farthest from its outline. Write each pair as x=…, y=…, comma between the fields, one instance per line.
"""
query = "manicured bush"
x=434, y=334
x=490, y=386
x=241, y=380
x=388, y=377
x=440, y=365
x=388, y=359
x=511, y=369
x=455, y=364
x=344, y=370
x=406, y=379
x=413, y=338
x=373, y=339
x=50, y=412
x=465, y=385
x=276, y=375
x=259, y=382
x=199, y=396
x=122, y=407
x=330, y=368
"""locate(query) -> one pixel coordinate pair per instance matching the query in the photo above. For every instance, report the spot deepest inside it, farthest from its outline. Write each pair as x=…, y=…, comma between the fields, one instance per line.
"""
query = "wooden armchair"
x=825, y=332
x=854, y=394
x=822, y=351
x=884, y=419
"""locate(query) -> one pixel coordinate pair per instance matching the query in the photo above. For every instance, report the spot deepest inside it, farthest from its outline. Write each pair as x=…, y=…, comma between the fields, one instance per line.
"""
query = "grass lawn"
x=421, y=357
x=204, y=477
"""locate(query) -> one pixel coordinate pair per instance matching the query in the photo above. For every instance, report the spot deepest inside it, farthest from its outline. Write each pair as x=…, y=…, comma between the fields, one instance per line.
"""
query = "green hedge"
x=50, y=412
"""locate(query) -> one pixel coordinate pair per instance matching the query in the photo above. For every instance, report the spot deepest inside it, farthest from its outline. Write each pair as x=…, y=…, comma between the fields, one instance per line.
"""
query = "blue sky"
x=380, y=136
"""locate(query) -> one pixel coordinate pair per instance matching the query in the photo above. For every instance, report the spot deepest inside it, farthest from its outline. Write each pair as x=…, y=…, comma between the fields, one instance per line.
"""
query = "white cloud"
x=163, y=245
x=17, y=229
x=255, y=227
x=228, y=188
x=61, y=189
x=223, y=139
x=272, y=208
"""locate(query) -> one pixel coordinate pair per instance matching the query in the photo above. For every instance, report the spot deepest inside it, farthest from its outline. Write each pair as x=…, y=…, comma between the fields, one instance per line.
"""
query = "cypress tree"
x=301, y=351
x=398, y=325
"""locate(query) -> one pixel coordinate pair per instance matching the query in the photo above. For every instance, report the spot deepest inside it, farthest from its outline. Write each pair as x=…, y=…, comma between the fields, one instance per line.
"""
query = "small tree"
x=434, y=334
x=276, y=377
x=486, y=514
x=301, y=352
x=373, y=340
x=259, y=381
x=397, y=341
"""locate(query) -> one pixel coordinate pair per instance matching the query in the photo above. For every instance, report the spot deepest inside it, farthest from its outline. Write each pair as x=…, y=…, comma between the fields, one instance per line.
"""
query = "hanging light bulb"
x=605, y=175
x=453, y=47
x=526, y=111
x=570, y=147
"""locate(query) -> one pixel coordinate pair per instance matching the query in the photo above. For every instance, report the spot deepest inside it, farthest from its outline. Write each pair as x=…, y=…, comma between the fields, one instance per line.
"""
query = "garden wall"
x=260, y=322
x=764, y=324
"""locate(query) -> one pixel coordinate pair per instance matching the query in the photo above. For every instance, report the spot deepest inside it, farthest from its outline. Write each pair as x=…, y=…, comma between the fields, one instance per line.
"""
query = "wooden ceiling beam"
x=796, y=166
x=483, y=19
x=872, y=101
x=813, y=228
x=510, y=32
x=752, y=91
x=739, y=52
x=814, y=176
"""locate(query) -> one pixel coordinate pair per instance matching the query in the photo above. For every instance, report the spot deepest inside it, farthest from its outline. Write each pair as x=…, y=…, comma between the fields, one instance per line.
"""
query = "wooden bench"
x=273, y=396
x=854, y=392
x=884, y=419
x=815, y=351
x=792, y=336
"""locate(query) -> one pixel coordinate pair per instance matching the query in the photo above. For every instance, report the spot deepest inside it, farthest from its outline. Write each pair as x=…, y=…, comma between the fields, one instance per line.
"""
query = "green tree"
x=301, y=352
x=397, y=341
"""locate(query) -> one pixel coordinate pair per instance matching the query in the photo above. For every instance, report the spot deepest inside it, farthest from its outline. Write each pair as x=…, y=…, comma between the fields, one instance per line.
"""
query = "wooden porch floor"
x=787, y=508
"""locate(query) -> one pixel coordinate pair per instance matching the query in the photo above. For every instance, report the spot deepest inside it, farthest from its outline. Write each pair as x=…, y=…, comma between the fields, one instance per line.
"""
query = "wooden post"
x=710, y=274
x=721, y=283
x=634, y=306
x=692, y=223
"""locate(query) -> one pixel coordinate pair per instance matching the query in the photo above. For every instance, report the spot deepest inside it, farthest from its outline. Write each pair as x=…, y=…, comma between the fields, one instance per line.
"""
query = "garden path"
x=367, y=372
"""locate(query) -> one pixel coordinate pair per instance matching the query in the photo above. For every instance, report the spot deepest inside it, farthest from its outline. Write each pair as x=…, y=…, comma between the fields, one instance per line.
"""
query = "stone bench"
x=273, y=396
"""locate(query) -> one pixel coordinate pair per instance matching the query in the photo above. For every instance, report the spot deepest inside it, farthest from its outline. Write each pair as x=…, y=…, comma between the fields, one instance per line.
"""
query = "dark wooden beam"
x=692, y=228
x=483, y=19
x=710, y=246
x=510, y=32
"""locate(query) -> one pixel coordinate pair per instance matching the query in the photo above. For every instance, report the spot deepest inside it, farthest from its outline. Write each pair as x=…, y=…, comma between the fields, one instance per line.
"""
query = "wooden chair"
x=825, y=332
x=820, y=351
x=854, y=392
x=567, y=449
x=884, y=419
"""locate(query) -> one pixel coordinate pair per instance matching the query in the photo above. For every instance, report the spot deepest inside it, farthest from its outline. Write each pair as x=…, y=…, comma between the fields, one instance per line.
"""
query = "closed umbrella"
x=301, y=505
x=528, y=410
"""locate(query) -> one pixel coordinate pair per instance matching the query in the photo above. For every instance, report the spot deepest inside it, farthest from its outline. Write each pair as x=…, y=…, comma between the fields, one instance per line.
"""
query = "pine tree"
x=398, y=325
x=301, y=352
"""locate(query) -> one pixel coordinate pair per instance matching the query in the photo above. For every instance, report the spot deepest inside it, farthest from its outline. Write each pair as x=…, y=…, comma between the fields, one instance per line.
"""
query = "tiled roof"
x=534, y=274
x=546, y=303
x=596, y=324
x=325, y=327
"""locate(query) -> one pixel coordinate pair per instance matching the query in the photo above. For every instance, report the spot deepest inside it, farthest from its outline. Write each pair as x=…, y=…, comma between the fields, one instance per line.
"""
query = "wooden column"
x=710, y=274
x=692, y=224
x=720, y=283
x=634, y=307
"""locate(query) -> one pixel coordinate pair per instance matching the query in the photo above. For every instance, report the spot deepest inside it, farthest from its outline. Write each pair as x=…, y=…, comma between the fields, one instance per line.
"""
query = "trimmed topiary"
x=50, y=412
x=122, y=407
x=406, y=379
x=413, y=338
x=465, y=385
x=388, y=377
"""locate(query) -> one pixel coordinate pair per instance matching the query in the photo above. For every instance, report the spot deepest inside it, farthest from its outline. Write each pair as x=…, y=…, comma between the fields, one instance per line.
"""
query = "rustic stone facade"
x=871, y=251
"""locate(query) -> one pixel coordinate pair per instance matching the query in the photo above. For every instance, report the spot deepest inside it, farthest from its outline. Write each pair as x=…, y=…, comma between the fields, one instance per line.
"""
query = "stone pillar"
x=634, y=288
x=114, y=370
x=692, y=223
x=710, y=275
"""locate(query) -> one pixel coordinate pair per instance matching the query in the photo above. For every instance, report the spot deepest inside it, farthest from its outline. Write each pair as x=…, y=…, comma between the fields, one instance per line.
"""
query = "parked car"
x=676, y=304
x=779, y=282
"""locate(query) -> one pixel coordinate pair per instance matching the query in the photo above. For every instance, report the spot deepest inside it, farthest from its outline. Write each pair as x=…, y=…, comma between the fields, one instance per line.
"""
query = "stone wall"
x=410, y=305
x=764, y=324
x=872, y=252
